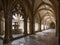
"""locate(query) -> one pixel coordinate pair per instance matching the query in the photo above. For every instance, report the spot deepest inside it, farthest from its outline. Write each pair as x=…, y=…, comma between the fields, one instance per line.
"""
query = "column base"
x=32, y=33
x=7, y=39
x=25, y=34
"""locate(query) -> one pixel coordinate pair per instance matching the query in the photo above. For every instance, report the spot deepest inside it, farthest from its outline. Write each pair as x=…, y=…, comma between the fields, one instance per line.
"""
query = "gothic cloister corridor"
x=29, y=22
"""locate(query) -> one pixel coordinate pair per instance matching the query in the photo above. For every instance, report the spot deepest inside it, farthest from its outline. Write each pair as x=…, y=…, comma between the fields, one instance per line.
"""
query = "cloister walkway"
x=46, y=37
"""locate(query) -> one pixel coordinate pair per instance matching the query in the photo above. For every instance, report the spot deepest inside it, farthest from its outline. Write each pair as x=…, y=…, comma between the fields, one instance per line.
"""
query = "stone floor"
x=46, y=37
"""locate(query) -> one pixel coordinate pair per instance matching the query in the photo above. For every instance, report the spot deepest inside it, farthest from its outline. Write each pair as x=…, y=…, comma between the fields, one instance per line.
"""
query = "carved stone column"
x=8, y=21
x=32, y=25
x=18, y=19
x=40, y=26
x=25, y=25
x=0, y=27
x=32, y=21
x=8, y=28
x=58, y=23
x=44, y=25
x=1, y=24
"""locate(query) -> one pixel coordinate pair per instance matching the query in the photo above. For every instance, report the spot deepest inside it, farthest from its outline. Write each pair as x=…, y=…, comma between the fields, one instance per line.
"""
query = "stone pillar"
x=40, y=26
x=0, y=27
x=58, y=23
x=18, y=20
x=1, y=24
x=32, y=21
x=8, y=22
x=32, y=25
x=44, y=25
x=25, y=25
x=8, y=28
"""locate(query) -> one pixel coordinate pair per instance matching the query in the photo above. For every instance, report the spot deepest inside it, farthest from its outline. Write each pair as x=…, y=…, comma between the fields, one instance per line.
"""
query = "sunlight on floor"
x=46, y=37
